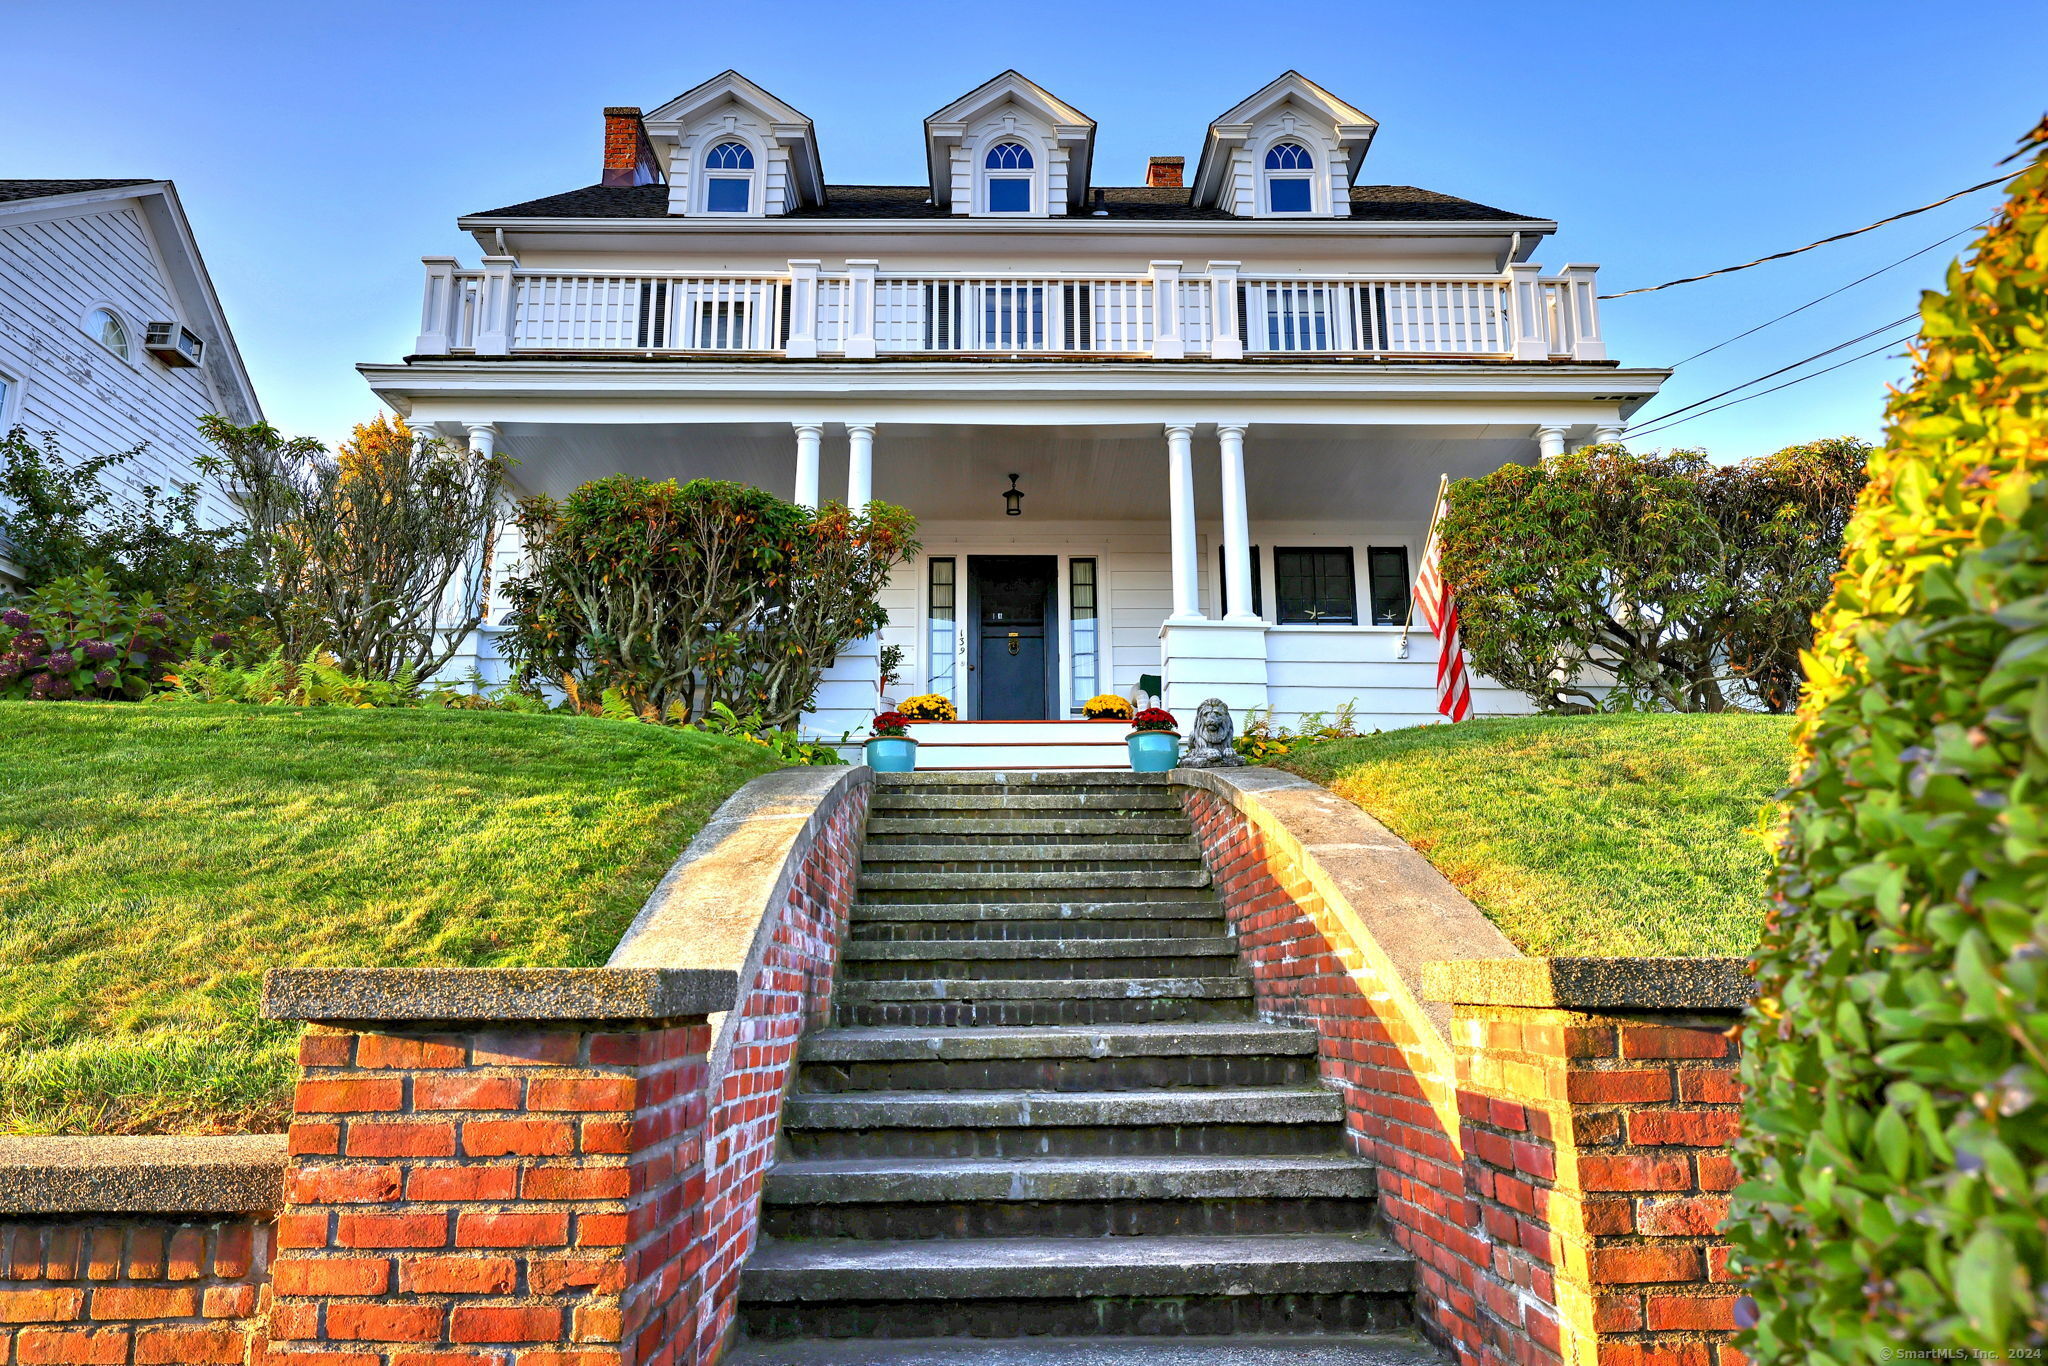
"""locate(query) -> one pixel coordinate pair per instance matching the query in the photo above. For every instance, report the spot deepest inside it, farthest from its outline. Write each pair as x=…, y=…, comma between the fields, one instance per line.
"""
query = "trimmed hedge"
x=1896, y=1164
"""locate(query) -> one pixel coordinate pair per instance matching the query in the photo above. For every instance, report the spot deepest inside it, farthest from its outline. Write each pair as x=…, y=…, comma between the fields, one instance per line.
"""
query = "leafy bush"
x=685, y=596
x=60, y=518
x=929, y=706
x=1691, y=586
x=76, y=638
x=1261, y=738
x=1896, y=1201
x=786, y=745
x=379, y=554
x=1106, y=707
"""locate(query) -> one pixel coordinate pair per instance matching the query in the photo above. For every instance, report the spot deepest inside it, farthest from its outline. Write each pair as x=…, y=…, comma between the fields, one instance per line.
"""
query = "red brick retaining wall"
x=130, y=1289
x=1557, y=1174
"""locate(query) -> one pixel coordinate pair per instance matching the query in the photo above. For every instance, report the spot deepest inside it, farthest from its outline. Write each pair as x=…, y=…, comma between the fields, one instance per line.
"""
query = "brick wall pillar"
x=1595, y=1114
x=520, y=1189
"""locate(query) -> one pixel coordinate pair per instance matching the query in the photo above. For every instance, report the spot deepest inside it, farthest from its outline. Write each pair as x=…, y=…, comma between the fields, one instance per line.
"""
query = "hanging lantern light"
x=1013, y=499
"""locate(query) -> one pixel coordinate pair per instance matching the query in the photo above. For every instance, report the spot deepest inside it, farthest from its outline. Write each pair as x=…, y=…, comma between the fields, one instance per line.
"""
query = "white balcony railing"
x=1520, y=314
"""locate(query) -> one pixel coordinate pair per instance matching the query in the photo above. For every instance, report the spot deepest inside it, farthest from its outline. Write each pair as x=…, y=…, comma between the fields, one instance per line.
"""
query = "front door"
x=1010, y=599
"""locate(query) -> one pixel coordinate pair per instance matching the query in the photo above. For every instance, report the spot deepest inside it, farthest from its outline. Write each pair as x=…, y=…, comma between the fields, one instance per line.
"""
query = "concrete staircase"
x=1047, y=1118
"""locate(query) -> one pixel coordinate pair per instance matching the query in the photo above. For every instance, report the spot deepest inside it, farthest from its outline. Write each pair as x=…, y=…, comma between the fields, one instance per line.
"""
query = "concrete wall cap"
x=512, y=995
x=231, y=1174
x=1675, y=984
x=1403, y=909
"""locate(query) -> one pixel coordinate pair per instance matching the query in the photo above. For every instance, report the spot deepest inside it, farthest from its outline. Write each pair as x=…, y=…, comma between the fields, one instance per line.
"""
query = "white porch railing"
x=1520, y=314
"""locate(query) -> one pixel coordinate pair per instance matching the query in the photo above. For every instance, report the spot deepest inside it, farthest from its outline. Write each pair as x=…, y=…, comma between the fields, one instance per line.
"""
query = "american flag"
x=1439, y=607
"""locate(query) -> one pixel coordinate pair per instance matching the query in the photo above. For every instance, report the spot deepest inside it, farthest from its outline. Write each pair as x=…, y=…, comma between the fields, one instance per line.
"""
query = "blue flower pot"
x=1153, y=751
x=892, y=754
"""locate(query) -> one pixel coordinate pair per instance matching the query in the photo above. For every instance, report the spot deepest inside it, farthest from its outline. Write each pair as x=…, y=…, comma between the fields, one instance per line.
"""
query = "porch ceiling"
x=1097, y=473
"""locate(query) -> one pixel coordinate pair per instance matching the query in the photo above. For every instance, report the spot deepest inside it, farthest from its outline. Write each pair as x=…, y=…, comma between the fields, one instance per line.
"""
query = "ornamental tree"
x=1896, y=1153
x=1660, y=578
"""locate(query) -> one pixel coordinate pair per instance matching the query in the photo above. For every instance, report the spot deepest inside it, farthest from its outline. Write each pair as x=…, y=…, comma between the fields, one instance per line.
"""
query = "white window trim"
x=756, y=178
x=1037, y=177
x=1316, y=175
x=134, y=357
x=11, y=386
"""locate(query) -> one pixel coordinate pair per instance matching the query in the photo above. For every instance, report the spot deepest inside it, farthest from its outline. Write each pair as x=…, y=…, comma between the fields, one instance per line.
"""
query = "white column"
x=860, y=464
x=808, y=435
x=494, y=324
x=1180, y=494
x=440, y=295
x=1603, y=436
x=1550, y=442
x=1167, y=342
x=1237, y=534
x=1224, y=343
x=483, y=438
x=860, y=309
x=802, y=343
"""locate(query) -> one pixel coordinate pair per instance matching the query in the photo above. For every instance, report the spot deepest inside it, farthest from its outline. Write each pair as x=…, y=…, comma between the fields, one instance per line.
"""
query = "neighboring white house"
x=111, y=334
x=1226, y=402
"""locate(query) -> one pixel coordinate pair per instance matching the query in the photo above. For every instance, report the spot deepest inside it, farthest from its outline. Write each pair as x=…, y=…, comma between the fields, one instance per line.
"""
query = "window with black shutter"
x=1387, y=567
x=1315, y=585
x=1223, y=583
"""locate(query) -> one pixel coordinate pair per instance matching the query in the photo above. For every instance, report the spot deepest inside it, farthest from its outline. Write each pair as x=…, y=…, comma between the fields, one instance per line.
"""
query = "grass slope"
x=1603, y=836
x=158, y=858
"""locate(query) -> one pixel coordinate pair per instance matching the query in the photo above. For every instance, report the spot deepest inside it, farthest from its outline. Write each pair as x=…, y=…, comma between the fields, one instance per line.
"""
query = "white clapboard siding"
x=1319, y=669
x=55, y=271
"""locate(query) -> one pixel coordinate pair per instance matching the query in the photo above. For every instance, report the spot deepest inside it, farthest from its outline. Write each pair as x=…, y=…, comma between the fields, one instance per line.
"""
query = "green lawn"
x=158, y=858
x=1603, y=836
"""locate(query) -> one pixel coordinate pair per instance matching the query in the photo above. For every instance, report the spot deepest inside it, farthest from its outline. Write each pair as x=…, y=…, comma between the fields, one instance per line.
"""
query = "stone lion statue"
x=1210, y=744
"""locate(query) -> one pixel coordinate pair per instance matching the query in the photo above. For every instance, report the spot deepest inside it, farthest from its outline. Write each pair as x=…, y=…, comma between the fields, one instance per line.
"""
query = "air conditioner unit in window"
x=173, y=344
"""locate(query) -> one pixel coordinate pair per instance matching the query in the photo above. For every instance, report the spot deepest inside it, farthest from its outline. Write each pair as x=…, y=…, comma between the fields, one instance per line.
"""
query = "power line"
x=1839, y=346
x=1667, y=426
x=1833, y=292
x=1781, y=255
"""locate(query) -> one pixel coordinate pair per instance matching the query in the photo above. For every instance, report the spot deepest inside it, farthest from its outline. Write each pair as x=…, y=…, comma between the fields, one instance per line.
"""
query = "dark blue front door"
x=1013, y=605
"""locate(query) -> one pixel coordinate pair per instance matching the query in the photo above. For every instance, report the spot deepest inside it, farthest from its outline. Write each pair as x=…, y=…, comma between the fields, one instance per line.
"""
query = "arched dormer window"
x=109, y=331
x=729, y=178
x=1009, y=166
x=1290, y=179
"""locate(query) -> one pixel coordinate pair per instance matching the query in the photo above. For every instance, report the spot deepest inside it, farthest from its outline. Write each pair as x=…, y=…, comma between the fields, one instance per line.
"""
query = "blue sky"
x=322, y=149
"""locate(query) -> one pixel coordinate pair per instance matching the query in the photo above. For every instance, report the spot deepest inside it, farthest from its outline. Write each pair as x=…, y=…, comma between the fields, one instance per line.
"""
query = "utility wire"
x=1781, y=255
x=1839, y=346
x=1667, y=426
x=1832, y=293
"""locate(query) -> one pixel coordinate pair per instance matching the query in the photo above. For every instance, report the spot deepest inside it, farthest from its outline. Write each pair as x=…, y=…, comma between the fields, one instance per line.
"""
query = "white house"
x=1226, y=399
x=111, y=334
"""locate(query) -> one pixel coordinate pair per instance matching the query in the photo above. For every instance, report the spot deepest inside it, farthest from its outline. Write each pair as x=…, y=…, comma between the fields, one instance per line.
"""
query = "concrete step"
x=1032, y=903
x=901, y=828
x=1060, y=1109
x=1085, y=853
x=987, y=959
x=1065, y=879
x=1301, y=1283
x=1068, y=1197
x=1055, y=1001
x=1075, y=1058
x=1055, y=988
x=1347, y=1349
x=1182, y=926
x=1300, y=1176
x=1076, y=801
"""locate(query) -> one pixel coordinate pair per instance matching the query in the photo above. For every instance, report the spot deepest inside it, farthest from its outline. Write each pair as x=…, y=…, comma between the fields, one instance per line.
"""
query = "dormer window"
x=729, y=178
x=1290, y=179
x=1009, y=166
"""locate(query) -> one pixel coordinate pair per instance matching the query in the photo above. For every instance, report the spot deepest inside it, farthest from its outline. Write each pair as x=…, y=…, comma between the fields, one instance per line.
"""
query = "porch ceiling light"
x=1013, y=499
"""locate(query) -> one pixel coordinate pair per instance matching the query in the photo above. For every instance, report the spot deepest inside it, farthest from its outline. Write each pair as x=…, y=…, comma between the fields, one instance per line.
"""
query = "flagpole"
x=1443, y=484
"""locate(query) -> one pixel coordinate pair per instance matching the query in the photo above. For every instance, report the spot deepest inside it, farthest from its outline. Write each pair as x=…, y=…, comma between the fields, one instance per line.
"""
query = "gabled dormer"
x=732, y=150
x=1009, y=149
x=1290, y=151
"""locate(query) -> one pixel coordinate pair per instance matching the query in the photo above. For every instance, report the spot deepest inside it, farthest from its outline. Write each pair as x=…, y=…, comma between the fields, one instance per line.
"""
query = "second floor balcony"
x=862, y=312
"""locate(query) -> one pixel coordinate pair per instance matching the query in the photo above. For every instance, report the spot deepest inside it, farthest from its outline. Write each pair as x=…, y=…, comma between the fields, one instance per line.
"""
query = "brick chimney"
x=629, y=157
x=1163, y=173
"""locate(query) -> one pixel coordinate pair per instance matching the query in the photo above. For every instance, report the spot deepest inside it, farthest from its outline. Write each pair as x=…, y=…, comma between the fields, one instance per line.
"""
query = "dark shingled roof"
x=1377, y=203
x=43, y=189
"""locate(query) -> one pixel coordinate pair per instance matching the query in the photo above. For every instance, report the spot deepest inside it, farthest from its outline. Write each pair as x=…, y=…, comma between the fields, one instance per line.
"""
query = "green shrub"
x=78, y=639
x=1896, y=1155
x=1691, y=586
x=679, y=597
